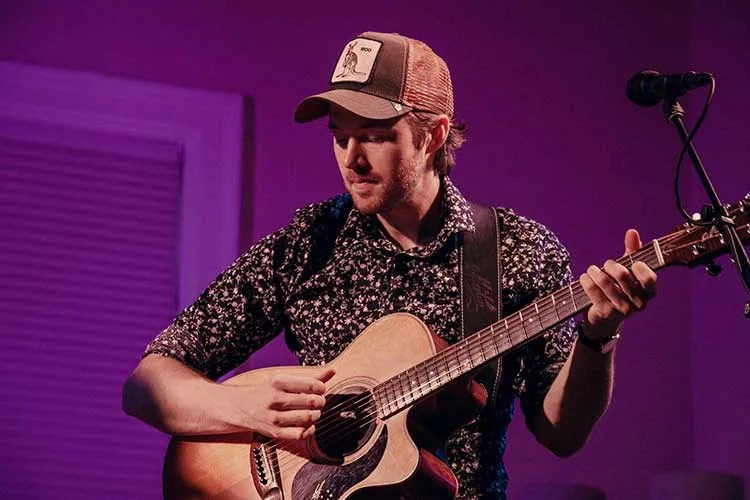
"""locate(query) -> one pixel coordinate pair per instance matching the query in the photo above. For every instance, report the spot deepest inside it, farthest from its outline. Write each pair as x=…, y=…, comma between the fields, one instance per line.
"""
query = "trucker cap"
x=381, y=76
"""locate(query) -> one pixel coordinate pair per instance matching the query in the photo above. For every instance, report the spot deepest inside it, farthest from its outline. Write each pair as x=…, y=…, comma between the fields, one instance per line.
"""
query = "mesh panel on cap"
x=428, y=82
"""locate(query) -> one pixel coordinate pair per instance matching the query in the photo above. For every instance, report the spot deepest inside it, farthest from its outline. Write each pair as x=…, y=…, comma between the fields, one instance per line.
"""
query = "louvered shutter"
x=88, y=274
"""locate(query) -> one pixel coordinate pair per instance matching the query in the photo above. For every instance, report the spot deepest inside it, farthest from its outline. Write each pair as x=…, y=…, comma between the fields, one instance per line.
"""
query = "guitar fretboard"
x=425, y=378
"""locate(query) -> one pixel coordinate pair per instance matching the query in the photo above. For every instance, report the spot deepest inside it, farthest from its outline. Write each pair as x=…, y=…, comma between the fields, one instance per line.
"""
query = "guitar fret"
x=379, y=403
x=390, y=394
x=554, y=307
x=410, y=394
x=538, y=316
x=466, y=355
x=415, y=389
x=523, y=327
x=481, y=349
x=680, y=247
x=424, y=377
x=494, y=340
x=388, y=404
x=406, y=397
x=394, y=396
x=391, y=397
x=572, y=297
x=403, y=391
x=452, y=363
x=447, y=371
x=508, y=338
x=418, y=388
x=432, y=380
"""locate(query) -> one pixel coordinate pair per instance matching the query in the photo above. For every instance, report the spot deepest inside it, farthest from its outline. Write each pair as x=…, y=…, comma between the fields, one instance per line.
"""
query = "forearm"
x=583, y=389
x=578, y=397
x=175, y=399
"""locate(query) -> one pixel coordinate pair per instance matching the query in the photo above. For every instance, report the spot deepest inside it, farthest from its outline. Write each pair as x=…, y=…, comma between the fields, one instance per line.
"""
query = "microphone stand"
x=674, y=113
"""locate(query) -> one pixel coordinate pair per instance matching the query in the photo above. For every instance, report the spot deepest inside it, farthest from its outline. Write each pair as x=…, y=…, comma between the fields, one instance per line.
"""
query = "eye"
x=340, y=141
x=377, y=139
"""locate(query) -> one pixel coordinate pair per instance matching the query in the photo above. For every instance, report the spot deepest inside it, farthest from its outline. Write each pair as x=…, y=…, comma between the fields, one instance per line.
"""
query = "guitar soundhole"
x=347, y=421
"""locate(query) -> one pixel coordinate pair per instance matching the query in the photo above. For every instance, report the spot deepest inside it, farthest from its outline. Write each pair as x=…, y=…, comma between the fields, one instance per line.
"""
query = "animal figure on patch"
x=350, y=62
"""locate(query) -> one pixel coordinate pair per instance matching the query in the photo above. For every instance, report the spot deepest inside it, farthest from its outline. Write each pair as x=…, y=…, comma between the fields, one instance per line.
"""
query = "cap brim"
x=359, y=103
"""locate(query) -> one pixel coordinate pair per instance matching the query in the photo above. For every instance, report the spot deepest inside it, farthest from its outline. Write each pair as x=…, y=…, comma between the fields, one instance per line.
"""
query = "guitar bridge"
x=265, y=471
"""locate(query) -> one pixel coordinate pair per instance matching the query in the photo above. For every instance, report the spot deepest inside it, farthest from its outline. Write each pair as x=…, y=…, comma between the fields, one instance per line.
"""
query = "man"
x=390, y=244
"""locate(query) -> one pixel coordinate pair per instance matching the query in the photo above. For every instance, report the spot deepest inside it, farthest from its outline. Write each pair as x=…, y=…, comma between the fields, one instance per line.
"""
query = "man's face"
x=381, y=167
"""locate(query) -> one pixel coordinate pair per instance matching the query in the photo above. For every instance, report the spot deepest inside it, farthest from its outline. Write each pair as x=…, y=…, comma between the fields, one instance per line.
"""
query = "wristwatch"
x=602, y=346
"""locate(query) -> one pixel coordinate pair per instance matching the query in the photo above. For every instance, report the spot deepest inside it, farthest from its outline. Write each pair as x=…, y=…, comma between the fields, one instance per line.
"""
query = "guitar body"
x=398, y=390
x=355, y=456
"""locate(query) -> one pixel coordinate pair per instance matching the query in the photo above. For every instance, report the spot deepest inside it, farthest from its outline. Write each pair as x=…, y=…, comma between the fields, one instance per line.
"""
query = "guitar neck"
x=515, y=330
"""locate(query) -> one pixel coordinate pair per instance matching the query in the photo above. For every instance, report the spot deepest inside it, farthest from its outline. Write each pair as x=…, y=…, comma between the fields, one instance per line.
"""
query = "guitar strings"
x=625, y=259
x=512, y=319
x=509, y=320
x=362, y=400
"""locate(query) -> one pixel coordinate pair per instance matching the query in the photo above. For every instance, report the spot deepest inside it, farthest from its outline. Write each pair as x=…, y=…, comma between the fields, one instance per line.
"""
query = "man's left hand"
x=616, y=292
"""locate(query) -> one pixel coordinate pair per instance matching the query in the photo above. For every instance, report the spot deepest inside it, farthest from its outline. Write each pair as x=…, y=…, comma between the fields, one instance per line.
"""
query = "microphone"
x=649, y=87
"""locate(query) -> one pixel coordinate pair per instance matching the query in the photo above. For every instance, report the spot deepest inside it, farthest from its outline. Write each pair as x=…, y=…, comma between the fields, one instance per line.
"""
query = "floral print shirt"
x=332, y=271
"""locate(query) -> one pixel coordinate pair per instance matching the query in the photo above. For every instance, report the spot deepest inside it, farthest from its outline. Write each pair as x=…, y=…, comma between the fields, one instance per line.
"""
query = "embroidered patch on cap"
x=356, y=61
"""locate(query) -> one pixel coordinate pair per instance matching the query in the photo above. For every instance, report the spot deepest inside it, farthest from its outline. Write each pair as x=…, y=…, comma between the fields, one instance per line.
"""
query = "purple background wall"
x=552, y=135
x=720, y=347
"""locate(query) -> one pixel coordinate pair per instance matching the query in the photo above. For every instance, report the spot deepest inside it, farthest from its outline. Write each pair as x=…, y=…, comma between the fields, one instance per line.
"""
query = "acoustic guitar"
x=378, y=420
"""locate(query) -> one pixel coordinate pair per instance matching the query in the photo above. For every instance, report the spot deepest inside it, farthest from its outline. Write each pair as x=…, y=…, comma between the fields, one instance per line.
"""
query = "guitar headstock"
x=690, y=245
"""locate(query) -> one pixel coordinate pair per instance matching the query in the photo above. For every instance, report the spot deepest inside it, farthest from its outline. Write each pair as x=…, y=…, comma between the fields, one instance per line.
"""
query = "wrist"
x=205, y=408
x=600, y=344
x=225, y=411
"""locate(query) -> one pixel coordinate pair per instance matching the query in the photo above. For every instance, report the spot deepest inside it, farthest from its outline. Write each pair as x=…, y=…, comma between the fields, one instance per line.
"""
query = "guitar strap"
x=481, y=288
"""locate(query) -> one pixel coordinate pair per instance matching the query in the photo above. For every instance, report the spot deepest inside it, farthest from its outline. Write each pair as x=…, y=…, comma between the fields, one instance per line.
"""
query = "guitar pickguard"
x=328, y=482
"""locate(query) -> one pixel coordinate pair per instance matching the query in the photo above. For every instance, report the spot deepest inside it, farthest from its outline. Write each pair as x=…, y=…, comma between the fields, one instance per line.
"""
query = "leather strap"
x=481, y=287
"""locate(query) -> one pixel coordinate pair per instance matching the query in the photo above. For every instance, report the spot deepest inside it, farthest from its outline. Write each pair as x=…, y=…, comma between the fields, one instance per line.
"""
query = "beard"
x=383, y=195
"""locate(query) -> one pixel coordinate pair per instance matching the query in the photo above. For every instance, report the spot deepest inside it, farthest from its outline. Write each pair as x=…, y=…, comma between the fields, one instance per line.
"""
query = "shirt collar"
x=456, y=217
x=457, y=214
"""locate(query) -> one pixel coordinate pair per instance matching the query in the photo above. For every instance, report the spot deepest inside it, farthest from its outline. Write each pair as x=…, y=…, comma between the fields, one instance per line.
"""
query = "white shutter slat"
x=88, y=259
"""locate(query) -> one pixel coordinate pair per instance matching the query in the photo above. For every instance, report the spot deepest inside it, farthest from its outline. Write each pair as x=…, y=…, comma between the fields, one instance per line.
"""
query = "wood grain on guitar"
x=392, y=385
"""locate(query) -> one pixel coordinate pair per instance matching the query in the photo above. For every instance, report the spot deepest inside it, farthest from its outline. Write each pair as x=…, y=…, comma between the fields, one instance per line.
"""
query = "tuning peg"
x=747, y=309
x=713, y=269
x=707, y=212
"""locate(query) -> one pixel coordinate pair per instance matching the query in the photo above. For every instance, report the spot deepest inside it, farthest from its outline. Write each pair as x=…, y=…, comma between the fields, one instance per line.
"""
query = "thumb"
x=324, y=374
x=632, y=241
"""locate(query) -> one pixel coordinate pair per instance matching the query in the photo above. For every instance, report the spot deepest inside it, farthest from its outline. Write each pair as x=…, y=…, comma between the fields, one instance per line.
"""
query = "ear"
x=439, y=134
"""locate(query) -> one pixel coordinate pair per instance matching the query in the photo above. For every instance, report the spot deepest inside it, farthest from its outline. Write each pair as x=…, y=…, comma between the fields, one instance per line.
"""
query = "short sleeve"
x=544, y=268
x=236, y=315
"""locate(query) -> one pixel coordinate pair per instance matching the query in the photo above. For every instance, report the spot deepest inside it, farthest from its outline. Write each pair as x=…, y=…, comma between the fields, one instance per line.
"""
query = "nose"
x=353, y=156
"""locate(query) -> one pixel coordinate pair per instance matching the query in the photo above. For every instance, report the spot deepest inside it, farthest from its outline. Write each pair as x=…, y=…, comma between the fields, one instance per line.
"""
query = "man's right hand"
x=175, y=399
x=285, y=406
